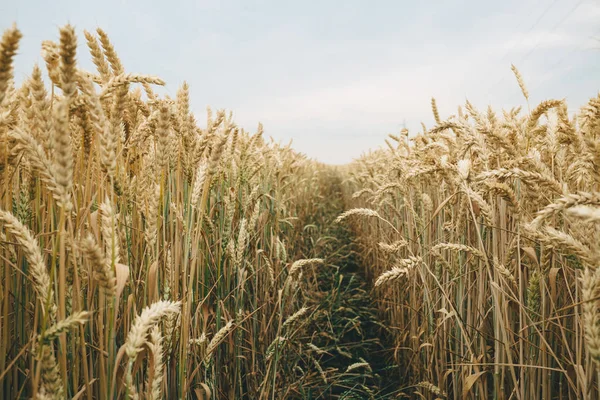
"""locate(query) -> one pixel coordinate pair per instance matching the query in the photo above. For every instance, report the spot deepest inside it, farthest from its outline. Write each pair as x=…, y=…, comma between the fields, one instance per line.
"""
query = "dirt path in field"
x=367, y=339
x=352, y=337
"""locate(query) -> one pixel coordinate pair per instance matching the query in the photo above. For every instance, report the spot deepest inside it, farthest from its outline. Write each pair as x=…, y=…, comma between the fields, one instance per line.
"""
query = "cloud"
x=338, y=79
x=542, y=39
x=376, y=100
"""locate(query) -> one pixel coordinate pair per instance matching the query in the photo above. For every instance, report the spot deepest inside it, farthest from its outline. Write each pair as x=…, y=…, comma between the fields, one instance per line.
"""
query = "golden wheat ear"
x=9, y=45
x=520, y=81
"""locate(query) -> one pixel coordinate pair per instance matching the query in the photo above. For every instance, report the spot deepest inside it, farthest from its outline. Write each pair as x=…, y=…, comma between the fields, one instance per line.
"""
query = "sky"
x=336, y=77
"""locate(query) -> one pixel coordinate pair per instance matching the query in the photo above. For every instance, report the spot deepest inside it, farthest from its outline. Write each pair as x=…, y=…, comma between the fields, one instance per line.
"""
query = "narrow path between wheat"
x=347, y=330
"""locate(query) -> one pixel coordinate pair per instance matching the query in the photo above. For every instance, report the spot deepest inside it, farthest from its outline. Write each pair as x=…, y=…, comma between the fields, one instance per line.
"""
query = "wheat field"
x=146, y=255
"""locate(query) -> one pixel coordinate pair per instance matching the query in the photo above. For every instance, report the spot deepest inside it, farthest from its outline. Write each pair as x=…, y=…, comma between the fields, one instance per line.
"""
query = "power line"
x=507, y=52
x=538, y=43
x=553, y=29
x=568, y=55
x=540, y=17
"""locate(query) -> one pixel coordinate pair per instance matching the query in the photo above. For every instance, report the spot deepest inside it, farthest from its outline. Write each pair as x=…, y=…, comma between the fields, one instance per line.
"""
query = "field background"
x=146, y=254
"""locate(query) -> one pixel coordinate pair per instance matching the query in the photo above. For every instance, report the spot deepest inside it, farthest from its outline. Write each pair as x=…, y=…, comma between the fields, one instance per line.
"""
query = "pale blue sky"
x=336, y=76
